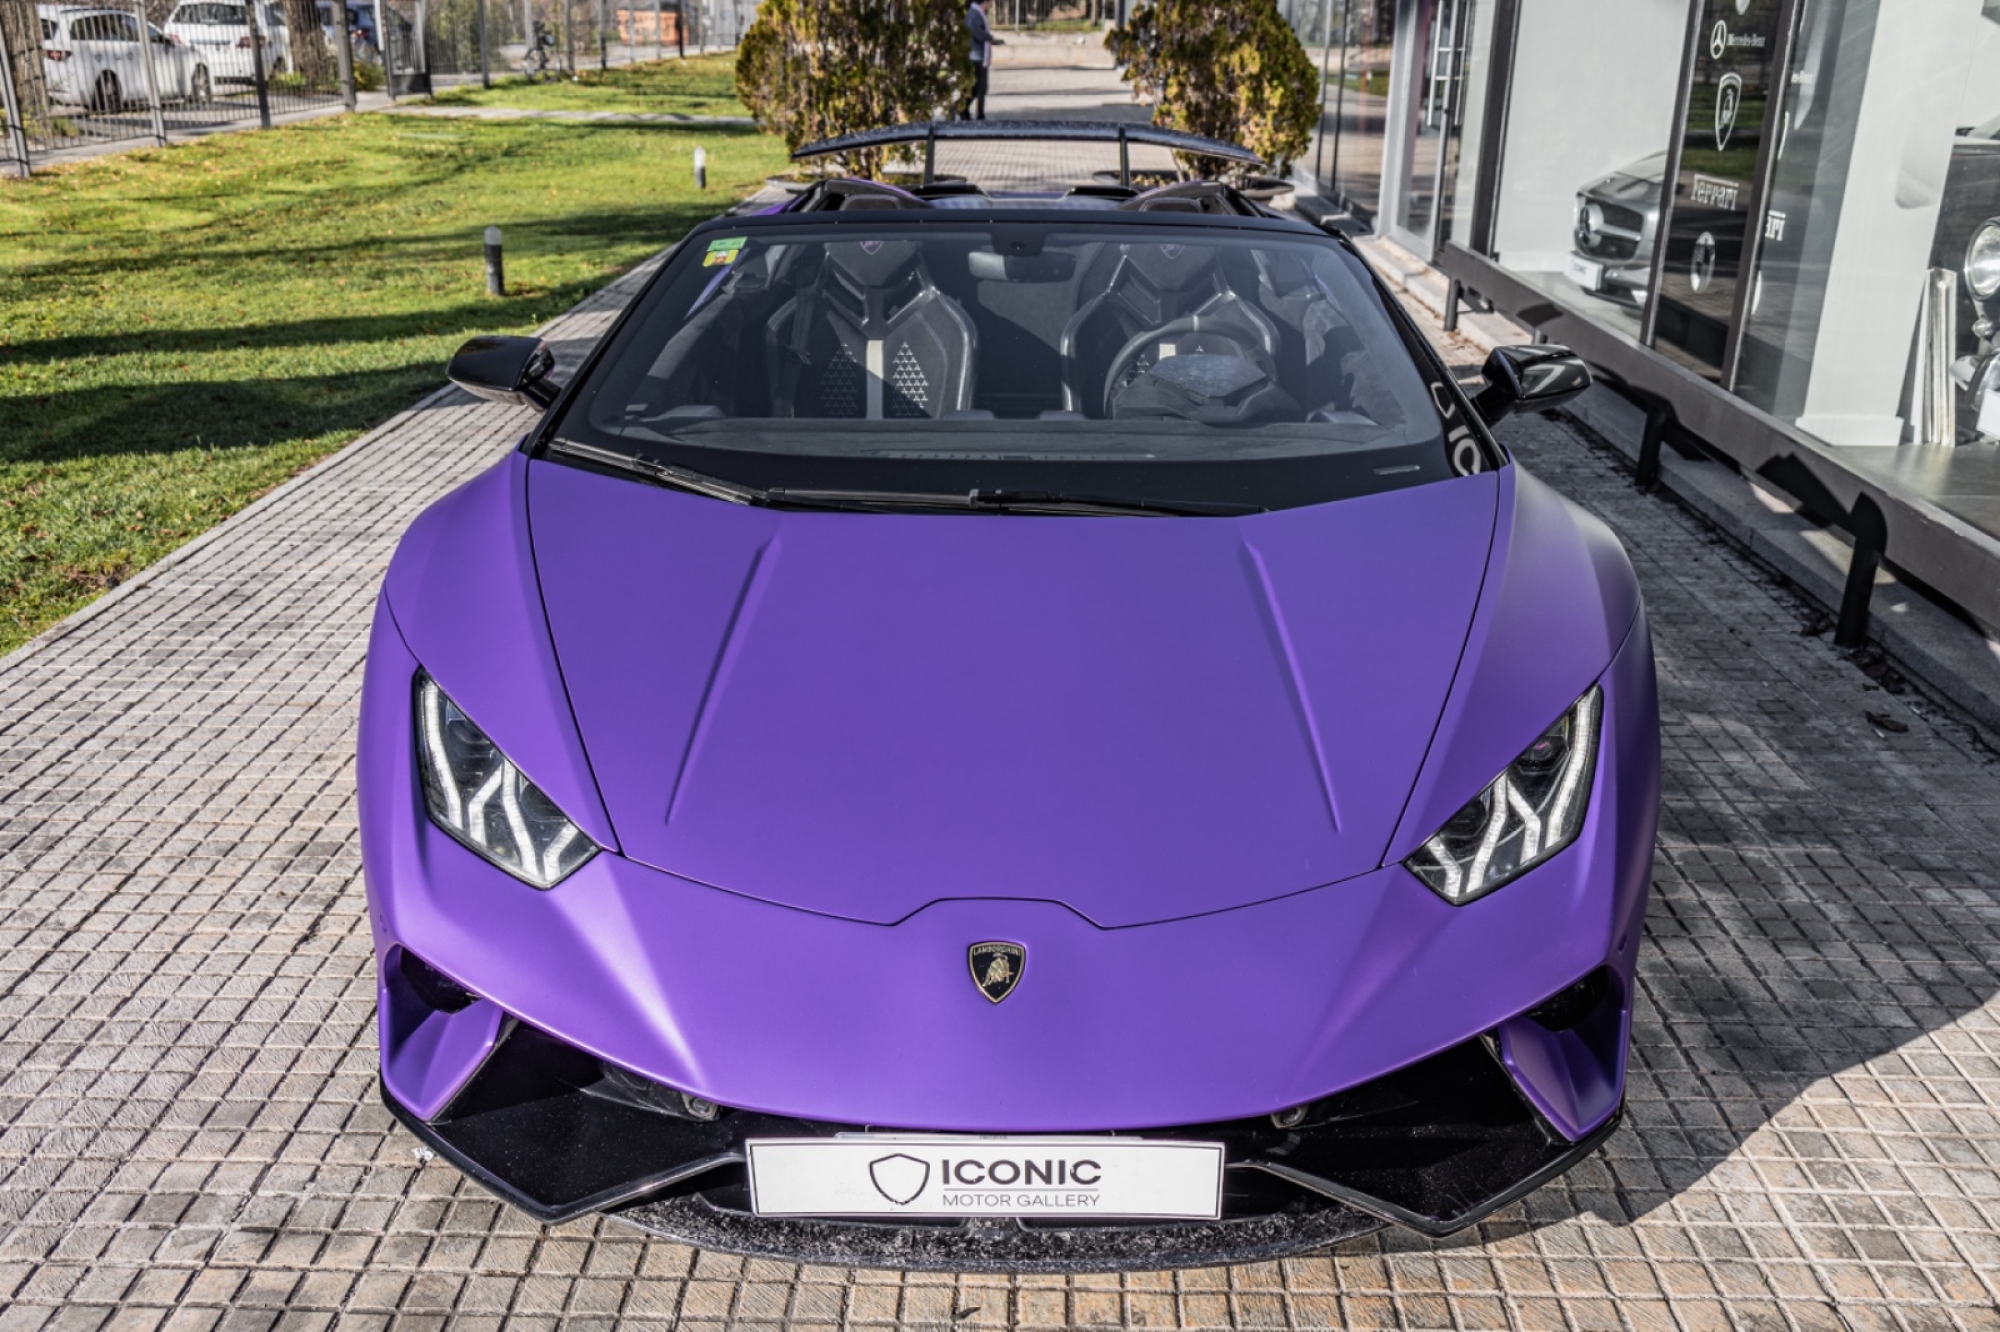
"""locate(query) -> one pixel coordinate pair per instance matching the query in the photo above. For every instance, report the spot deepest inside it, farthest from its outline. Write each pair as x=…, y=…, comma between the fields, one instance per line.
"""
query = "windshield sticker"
x=722, y=252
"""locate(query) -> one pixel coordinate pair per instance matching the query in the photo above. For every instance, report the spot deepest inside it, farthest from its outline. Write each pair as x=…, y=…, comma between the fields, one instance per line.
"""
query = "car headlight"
x=1982, y=259
x=478, y=796
x=1525, y=815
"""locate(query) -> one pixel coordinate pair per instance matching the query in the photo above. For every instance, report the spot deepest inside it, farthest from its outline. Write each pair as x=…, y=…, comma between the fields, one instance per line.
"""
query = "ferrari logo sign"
x=899, y=1178
x=996, y=968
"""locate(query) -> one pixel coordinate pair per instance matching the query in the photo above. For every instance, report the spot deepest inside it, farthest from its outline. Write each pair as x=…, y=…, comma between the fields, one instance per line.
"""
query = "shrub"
x=1230, y=69
x=811, y=69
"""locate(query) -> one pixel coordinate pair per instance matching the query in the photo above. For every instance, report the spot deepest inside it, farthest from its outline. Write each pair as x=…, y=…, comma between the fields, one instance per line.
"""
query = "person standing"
x=983, y=42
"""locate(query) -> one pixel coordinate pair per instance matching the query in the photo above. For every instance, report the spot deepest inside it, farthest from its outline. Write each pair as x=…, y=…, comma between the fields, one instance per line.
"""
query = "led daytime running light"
x=477, y=795
x=1524, y=816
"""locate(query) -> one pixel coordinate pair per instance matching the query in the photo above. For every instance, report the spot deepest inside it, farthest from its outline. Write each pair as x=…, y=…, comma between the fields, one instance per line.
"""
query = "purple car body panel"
x=861, y=714
x=1314, y=966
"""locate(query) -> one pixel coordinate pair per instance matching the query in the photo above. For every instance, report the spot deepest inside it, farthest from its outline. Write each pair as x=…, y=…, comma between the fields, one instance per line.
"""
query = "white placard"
x=906, y=1175
x=1586, y=273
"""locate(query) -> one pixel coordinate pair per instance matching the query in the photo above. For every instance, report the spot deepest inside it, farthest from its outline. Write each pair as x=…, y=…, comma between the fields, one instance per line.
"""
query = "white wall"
x=1594, y=84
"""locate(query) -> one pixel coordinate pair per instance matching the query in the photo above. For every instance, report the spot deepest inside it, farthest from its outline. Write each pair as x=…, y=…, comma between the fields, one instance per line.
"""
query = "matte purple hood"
x=860, y=715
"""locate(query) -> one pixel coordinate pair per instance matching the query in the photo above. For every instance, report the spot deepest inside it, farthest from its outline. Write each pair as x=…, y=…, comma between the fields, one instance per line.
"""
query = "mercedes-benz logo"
x=1718, y=40
x=1701, y=269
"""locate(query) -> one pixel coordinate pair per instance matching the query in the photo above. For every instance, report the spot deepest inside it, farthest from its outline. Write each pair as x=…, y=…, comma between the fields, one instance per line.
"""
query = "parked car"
x=93, y=59
x=360, y=27
x=1617, y=222
x=972, y=713
x=219, y=30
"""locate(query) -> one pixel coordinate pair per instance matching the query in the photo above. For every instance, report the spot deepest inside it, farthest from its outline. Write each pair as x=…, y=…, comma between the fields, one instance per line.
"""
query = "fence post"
x=17, y=130
x=257, y=66
x=603, y=36
x=424, y=45
x=344, y=54
x=569, y=36
x=485, y=62
x=152, y=74
x=659, y=31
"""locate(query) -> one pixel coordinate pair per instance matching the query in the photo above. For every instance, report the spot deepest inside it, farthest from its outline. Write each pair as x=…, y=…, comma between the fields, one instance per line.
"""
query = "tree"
x=811, y=69
x=1230, y=69
x=21, y=30
x=310, y=55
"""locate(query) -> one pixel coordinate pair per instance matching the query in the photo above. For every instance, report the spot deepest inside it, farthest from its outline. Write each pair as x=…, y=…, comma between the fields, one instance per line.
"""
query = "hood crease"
x=755, y=579
x=1288, y=658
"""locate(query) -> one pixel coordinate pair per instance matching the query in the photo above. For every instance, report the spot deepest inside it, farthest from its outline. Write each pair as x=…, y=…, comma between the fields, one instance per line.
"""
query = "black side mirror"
x=1529, y=378
x=510, y=370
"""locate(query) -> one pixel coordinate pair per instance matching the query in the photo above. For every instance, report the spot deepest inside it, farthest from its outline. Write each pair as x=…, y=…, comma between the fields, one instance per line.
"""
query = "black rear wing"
x=931, y=132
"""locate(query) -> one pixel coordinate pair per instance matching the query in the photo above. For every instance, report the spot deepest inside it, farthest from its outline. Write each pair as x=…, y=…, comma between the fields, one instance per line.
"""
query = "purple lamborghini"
x=1006, y=731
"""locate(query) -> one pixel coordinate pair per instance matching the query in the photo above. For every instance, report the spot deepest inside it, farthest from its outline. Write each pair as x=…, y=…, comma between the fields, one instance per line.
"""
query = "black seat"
x=871, y=336
x=1162, y=300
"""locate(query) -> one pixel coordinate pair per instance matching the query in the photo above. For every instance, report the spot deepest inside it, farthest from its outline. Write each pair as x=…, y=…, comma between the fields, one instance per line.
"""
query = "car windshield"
x=1205, y=370
x=224, y=15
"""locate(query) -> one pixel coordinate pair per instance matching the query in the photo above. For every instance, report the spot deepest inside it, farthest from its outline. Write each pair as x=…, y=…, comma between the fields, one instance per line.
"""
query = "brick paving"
x=189, y=1134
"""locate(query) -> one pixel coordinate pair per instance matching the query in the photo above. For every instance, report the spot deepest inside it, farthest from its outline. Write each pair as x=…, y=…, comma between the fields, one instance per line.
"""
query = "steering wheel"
x=1128, y=355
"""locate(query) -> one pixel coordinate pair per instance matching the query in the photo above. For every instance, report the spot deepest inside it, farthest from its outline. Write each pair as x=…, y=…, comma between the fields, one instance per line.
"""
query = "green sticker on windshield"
x=722, y=251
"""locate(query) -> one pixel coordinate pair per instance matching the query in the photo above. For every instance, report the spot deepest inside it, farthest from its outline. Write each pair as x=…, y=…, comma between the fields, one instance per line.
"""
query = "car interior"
x=1014, y=323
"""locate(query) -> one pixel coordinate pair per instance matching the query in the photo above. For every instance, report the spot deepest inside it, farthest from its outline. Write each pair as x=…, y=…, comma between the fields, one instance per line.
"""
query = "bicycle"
x=540, y=63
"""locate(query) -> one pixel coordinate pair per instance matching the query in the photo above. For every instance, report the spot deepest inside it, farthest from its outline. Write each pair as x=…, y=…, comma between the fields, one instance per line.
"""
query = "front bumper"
x=1340, y=999
x=1435, y=1147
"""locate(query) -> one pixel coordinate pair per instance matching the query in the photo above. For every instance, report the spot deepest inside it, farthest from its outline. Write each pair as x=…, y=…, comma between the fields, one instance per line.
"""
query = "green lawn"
x=698, y=86
x=182, y=329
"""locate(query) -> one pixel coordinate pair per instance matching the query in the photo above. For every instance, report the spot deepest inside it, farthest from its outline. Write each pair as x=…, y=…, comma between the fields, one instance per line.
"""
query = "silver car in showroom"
x=1617, y=222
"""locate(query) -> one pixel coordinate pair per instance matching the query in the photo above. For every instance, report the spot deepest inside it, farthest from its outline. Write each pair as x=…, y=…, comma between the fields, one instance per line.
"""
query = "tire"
x=201, y=89
x=106, y=96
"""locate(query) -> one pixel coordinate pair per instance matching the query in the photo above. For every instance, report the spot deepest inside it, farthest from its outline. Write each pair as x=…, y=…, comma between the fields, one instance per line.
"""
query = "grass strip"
x=182, y=329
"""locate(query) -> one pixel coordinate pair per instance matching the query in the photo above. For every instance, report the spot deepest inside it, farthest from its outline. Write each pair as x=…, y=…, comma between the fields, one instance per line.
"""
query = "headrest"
x=1170, y=266
x=873, y=263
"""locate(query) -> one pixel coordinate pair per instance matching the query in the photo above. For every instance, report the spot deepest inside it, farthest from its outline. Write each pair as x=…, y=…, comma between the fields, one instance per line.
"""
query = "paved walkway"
x=189, y=1135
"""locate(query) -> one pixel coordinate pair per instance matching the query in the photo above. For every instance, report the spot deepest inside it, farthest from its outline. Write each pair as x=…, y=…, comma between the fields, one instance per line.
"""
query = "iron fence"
x=138, y=70
x=1054, y=15
x=76, y=75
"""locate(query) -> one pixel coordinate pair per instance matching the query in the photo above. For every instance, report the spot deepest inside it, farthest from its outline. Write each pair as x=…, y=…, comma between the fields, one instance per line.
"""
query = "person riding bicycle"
x=540, y=57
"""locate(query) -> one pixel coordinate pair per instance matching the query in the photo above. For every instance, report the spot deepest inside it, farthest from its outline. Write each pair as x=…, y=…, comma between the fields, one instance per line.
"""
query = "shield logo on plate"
x=996, y=967
x=899, y=1178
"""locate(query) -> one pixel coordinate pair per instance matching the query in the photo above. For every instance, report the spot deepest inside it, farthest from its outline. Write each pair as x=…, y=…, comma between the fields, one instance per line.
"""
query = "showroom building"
x=1815, y=293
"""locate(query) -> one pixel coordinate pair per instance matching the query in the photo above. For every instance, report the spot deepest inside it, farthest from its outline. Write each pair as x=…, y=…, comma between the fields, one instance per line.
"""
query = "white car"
x=219, y=32
x=93, y=59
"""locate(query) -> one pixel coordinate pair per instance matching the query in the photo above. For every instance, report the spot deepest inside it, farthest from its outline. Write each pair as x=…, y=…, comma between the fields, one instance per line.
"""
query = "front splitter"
x=999, y=1244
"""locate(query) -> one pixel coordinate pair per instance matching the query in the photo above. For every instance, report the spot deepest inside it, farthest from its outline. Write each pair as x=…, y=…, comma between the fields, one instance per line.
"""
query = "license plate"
x=933, y=1176
x=1586, y=273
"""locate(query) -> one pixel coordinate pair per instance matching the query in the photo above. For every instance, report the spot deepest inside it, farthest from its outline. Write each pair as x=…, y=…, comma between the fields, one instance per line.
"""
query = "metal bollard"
x=496, y=276
x=701, y=168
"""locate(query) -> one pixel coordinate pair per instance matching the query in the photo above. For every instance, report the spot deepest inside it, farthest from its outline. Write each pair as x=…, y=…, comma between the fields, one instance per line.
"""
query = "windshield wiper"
x=680, y=478
x=1010, y=501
